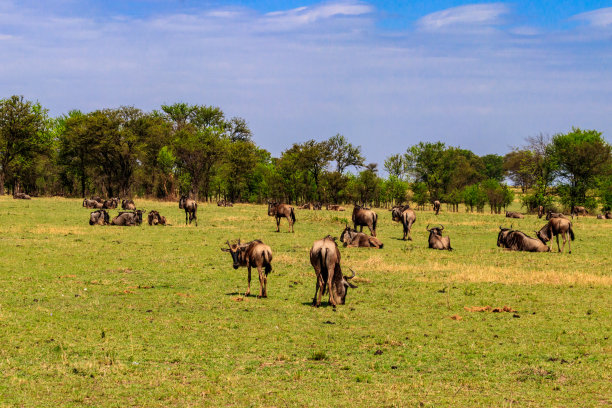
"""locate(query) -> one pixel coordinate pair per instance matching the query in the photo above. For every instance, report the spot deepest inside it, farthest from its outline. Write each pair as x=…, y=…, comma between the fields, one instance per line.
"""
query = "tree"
x=494, y=167
x=344, y=153
x=517, y=164
x=396, y=166
x=23, y=133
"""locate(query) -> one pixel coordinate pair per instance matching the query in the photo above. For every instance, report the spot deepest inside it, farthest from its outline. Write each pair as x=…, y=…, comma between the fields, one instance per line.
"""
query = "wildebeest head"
x=236, y=251
x=503, y=234
x=435, y=230
x=182, y=201
x=342, y=288
x=544, y=234
x=272, y=208
x=100, y=217
x=347, y=235
x=396, y=212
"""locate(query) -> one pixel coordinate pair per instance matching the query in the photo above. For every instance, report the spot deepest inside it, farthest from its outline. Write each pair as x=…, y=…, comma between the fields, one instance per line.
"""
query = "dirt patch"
x=456, y=317
x=487, y=308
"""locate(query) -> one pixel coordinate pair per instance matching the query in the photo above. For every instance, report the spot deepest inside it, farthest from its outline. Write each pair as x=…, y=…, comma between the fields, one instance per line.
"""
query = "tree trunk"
x=1, y=182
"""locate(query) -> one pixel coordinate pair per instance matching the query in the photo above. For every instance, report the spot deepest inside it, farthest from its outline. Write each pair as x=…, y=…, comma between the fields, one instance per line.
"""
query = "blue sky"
x=386, y=74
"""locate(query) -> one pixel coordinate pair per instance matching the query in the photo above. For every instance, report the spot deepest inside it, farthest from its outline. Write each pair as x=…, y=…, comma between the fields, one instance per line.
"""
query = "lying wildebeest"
x=325, y=259
x=601, y=217
x=98, y=199
x=436, y=206
x=334, y=207
x=436, y=240
x=552, y=215
x=306, y=206
x=554, y=228
x=406, y=216
x=316, y=206
x=608, y=215
x=92, y=204
x=354, y=238
x=156, y=218
x=279, y=211
x=224, y=203
x=514, y=214
x=252, y=254
x=191, y=209
x=519, y=241
x=111, y=203
x=364, y=217
x=128, y=219
x=21, y=196
x=579, y=210
x=99, y=217
x=128, y=204
x=540, y=211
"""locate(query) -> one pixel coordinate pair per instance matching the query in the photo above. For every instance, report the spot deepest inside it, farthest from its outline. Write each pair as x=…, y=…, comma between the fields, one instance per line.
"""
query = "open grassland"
x=155, y=316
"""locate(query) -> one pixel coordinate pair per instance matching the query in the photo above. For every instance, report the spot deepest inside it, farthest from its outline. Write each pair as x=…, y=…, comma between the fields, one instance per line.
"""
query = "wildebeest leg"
x=360, y=228
x=261, y=282
x=248, y=292
x=558, y=243
x=186, y=217
x=195, y=217
x=410, y=231
x=265, y=285
x=290, y=224
x=277, y=224
x=564, y=240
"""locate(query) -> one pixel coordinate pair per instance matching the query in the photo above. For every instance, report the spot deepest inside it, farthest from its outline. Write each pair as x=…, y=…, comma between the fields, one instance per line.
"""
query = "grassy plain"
x=155, y=316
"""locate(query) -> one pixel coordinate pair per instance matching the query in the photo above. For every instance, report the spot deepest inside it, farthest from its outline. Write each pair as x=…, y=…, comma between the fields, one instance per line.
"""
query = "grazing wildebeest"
x=99, y=217
x=519, y=241
x=279, y=211
x=111, y=203
x=191, y=209
x=554, y=228
x=579, y=210
x=252, y=254
x=550, y=215
x=128, y=219
x=325, y=259
x=514, y=214
x=354, y=238
x=21, y=196
x=128, y=204
x=540, y=211
x=406, y=216
x=436, y=206
x=155, y=218
x=364, y=217
x=436, y=240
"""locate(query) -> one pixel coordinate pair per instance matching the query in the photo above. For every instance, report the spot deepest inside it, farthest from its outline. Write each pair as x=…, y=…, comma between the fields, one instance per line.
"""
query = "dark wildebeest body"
x=552, y=215
x=128, y=205
x=519, y=241
x=556, y=227
x=608, y=215
x=579, y=210
x=128, y=219
x=191, y=209
x=155, y=218
x=316, y=206
x=99, y=217
x=406, y=216
x=514, y=214
x=540, y=211
x=364, y=217
x=354, y=238
x=436, y=206
x=224, y=203
x=111, y=203
x=436, y=240
x=325, y=259
x=279, y=211
x=253, y=254
x=21, y=196
x=92, y=204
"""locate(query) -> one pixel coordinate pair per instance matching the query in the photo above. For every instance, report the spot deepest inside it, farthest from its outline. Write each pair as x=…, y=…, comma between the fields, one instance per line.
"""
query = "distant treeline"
x=197, y=150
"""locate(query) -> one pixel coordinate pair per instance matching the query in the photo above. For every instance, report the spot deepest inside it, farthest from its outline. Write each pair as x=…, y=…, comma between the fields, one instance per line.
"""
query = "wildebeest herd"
x=324, y=253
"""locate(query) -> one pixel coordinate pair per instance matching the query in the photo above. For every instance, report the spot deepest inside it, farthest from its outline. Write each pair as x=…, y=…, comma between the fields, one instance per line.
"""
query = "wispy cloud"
x=469, y=15
x=597, y=18
x=301, y=16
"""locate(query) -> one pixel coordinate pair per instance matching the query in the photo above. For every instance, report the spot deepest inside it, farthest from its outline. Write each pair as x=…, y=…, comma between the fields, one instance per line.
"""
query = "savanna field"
x=156, y=316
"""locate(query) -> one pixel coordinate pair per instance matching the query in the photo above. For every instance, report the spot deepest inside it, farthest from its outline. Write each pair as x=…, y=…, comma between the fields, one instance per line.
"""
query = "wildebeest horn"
x=351, y=277
x=238, y=241
x=427, y=227
x=228, y=244
x=442, y=229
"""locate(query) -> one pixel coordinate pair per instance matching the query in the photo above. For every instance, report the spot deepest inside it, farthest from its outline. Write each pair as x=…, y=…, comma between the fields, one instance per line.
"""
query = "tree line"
x=199, y=151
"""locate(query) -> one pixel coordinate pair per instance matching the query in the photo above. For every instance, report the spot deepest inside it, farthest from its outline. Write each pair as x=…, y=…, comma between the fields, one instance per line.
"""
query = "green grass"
x=155, y=316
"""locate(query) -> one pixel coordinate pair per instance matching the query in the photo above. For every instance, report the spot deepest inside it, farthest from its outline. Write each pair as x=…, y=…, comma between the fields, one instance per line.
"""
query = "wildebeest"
x=98, y=199
x=325, y=259
x=436, y=206
x=99, y=217
x=111, y=203
x=579, y=210
x=225, y=203
x=92, y=204
x=155, y=218
x=252, y=254
x=334, y=207
x=436, y=240
x=316, y=206
x=406, y=216
x=364, y=217
x=550, y=215
x=128, y=204
x=540, y=211
x=279, y=211
x=608, y=215
x=519, y=241
x=191, y=209
x=354, y=238
x=514, y=214
x=556, y=227
x=128, y=219
x=21, y=196
x=601, y=217
x=306, y=206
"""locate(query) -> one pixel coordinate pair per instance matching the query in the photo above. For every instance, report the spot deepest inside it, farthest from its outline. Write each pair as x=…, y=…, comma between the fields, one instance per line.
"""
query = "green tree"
x=396, y=166
x=344, y=153
x=494, y=167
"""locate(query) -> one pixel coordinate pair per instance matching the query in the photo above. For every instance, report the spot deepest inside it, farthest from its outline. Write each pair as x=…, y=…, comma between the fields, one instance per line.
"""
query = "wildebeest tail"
x=571, y=232
x=292, y=215
x=374, y=221
x=267, y=255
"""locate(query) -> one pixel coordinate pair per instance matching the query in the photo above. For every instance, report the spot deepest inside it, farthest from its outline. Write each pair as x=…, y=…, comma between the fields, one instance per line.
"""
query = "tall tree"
x=344, y=153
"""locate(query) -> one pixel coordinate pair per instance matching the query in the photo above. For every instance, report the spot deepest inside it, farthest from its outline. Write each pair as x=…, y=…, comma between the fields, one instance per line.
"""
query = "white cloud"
x=301, y=16
x=596, y=18
x=469, y=15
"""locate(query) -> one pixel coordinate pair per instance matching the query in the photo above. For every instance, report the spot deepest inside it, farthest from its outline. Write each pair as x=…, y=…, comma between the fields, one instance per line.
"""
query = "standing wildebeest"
x=191, y=209
x=407, y=216
x=353, y=238
x=552, y=215
x=99, y=217
x=279, y=211
x=156, y=218
x=514, y=214
x=111, y=203
x=436, y=206
x=519, y=241
x=540, y=211
x=325, y=259
x=556, y=227
x=364, y=217
x=436, y=240
x=579, y=210
x=252, y=254
x=128, y=204
x=128, y=219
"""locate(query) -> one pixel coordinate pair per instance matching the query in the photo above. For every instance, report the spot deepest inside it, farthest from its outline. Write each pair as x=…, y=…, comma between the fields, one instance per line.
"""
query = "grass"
x=156, y=316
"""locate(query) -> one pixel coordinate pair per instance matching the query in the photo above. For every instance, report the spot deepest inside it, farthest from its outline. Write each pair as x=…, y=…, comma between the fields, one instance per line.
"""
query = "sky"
x=385, y=74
